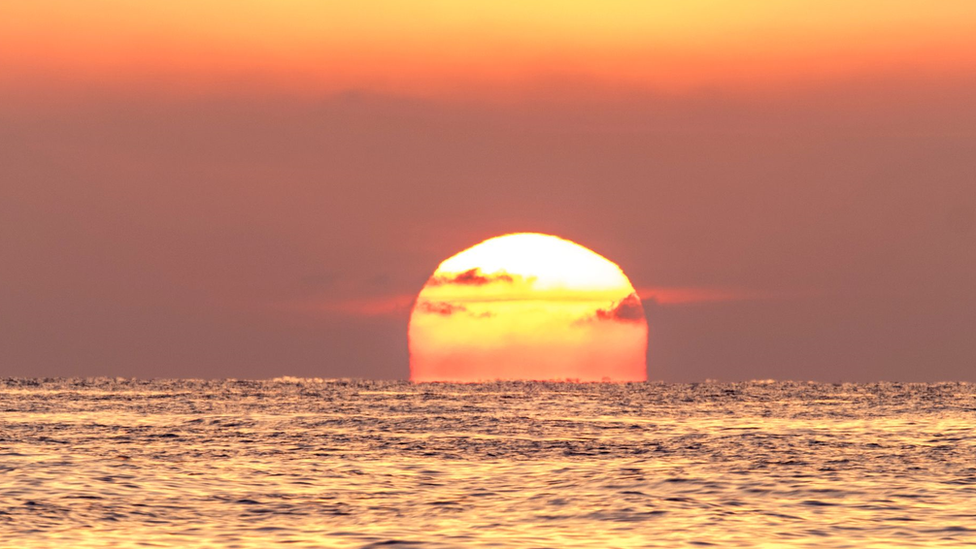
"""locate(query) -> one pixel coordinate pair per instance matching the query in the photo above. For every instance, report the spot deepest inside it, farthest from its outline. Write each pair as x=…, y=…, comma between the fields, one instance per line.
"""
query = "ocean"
x=339, y=463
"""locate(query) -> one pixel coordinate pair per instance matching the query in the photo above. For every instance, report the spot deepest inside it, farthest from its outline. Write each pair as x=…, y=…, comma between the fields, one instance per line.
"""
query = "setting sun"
x=528, y=306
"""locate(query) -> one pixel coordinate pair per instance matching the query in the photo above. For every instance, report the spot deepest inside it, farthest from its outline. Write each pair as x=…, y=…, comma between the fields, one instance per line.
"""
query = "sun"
x=528, y=306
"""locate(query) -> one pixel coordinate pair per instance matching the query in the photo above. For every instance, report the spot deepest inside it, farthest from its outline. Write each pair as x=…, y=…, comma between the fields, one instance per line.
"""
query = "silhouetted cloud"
x=471, y=277
x=628, y=309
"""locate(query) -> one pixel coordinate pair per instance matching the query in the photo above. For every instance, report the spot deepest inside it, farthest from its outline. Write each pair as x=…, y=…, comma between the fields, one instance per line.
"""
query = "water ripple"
x=313, y=463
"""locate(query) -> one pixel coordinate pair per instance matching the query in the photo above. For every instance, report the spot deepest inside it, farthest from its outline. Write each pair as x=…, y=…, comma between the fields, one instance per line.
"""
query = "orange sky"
x=492, y=47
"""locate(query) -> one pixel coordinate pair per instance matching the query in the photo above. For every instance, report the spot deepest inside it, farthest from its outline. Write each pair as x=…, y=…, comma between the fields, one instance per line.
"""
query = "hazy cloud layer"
x=159, y=237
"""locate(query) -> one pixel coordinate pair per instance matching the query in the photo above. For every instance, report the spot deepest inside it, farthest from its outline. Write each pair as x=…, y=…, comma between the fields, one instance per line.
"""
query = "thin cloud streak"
x=681, y=295
x=400, y=305
x=381, y=306
x=471, y=277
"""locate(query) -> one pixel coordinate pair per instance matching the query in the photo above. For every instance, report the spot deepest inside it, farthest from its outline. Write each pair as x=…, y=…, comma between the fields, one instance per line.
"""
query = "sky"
x=258, y=189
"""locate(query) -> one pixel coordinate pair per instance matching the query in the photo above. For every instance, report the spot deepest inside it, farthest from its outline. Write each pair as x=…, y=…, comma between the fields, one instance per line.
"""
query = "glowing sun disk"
x=527, y=306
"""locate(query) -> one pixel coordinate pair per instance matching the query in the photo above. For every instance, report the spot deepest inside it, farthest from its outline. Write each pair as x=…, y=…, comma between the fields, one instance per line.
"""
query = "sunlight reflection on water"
x=99, y=462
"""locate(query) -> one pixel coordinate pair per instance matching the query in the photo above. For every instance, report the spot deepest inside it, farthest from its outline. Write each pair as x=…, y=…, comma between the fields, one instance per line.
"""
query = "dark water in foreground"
x=95, y=463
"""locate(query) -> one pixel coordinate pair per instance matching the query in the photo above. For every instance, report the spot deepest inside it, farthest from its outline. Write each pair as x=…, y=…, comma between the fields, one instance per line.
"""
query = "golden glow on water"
x=350, y=464
x=528, y=306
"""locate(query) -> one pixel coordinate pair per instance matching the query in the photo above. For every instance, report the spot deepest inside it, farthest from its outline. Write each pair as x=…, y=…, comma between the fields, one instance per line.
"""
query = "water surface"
x=127, y=463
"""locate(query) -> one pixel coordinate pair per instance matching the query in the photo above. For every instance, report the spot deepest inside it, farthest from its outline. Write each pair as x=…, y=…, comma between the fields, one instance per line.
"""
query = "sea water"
x=312, y=463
